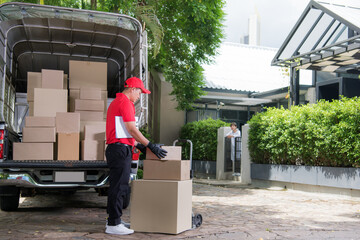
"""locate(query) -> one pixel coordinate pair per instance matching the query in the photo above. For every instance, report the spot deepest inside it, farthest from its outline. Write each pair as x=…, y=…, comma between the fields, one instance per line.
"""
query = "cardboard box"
x=68, y=146
x=89, y=105
x=31, y=121
x=33, y=81
x=91, y=116
x=104, y=96
x=31, y=108
x=92, y=150
x=173, y=153
x=53, y=79
x=67, y=122
x=87, y=74
x=33, y=151
x=90, y=93
x=161, y=206
x=65, y=81
x=47, y=102
x=84, y=123
x=39, y=134
x=95, y=132
x=75, y=94
x=166, y=170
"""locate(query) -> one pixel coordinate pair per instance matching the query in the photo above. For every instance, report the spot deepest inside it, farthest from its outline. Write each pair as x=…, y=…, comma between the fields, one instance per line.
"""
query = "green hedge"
x=322, y=134
x=203, y=135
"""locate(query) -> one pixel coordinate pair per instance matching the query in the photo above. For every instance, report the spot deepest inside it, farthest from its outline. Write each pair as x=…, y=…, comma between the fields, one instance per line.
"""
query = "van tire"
x=9, y=203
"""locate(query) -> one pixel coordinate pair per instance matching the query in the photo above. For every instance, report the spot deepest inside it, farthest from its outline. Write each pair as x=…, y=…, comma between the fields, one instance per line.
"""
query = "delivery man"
x=121, y=136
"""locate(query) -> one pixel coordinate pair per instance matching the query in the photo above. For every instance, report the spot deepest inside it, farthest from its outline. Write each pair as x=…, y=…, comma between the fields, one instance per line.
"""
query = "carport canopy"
x=325, y=38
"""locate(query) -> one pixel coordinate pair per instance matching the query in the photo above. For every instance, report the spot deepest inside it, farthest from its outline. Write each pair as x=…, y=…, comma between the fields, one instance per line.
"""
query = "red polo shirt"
x=123, y=107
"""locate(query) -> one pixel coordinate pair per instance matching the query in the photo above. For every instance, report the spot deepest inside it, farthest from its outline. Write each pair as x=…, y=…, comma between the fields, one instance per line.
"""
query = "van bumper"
x=25, y=180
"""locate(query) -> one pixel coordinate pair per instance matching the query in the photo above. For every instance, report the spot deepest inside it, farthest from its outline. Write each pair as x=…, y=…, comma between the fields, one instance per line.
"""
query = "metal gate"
x=232, y=155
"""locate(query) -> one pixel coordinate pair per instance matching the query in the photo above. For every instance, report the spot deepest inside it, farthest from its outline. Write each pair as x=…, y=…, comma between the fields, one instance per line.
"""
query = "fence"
x=232, y=155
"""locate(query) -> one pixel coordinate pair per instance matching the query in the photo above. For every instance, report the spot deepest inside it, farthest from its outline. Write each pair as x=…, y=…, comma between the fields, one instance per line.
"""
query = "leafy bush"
x=203, y=135
x=322, y=134
x=140, y=173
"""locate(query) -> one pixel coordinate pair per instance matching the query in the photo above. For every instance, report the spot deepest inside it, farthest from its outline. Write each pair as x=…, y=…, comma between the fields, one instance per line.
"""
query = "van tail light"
x=1, y=151
x=1, y=143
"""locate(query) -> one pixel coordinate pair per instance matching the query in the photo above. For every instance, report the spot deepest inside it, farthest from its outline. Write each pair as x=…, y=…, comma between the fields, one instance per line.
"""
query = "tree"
x=183, y=35
x=192, y=33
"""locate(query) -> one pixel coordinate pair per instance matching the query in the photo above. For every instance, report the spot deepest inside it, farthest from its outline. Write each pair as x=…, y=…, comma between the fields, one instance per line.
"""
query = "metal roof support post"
x=248, y=113
x=294, y=86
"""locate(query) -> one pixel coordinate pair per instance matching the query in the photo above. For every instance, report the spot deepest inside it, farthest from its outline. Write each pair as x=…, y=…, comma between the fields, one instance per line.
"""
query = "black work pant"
x=119, y=161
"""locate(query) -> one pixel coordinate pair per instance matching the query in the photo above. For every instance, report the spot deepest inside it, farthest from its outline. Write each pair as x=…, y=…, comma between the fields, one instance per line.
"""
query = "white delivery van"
x=35, y=37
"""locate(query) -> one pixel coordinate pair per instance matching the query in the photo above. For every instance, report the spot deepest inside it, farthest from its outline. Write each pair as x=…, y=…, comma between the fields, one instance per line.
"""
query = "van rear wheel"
x=9, y=203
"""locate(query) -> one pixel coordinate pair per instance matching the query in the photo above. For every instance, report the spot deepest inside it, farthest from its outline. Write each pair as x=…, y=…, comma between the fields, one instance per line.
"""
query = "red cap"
x=136, y=83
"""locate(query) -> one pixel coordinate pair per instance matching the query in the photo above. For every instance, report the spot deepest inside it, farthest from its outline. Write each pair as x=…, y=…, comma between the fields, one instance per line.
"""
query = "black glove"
x=141, y=147
x=155, y=148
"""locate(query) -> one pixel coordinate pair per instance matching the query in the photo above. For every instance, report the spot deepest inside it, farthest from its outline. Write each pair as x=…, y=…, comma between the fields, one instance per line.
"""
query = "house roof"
x=244, y=67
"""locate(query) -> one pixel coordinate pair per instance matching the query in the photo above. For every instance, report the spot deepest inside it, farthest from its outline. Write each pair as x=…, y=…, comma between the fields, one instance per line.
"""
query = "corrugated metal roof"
x=247, y=68
x=211, y=84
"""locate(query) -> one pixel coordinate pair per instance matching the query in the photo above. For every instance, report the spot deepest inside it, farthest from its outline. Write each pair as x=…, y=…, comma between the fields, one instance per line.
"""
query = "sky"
x=277, y=18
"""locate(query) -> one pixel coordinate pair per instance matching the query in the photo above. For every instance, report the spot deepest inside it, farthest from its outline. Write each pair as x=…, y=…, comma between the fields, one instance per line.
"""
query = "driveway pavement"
x=236, y=212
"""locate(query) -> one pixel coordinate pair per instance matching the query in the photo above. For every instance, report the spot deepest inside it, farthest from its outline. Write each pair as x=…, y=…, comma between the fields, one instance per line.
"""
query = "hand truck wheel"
x=196, y=220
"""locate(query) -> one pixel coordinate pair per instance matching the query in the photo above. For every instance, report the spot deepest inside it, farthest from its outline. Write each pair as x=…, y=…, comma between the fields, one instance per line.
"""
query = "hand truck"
x=196, y=218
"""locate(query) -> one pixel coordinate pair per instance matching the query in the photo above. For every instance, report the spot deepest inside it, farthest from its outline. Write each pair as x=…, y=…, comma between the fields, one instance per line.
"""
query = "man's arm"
x=135, y=133
x=139, y=137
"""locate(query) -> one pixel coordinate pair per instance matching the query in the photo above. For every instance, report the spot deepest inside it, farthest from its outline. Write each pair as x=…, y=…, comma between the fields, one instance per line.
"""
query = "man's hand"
x=155, y=148
x=141, y=147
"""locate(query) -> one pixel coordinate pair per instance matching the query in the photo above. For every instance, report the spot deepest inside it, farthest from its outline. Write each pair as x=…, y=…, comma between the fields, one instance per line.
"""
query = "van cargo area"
x=59, y=70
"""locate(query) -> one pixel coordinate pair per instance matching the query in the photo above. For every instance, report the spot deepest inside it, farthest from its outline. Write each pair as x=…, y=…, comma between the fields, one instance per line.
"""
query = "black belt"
x=121, y=144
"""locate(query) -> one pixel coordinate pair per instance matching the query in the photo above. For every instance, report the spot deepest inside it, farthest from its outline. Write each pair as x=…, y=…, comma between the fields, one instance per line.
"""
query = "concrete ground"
x=229, y=211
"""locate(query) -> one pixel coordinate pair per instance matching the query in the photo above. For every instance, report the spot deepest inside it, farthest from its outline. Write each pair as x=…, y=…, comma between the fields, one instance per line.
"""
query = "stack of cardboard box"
x=162, y=201
x=88, y=97
x=90, y=105
x=51, y=97
x=47, y=95
x=46, y=84
x=93, y=145
x=88, y=81
x=33, y=81
x=39, y=137
x=68, y=135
